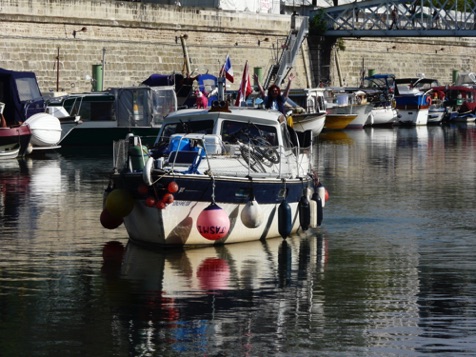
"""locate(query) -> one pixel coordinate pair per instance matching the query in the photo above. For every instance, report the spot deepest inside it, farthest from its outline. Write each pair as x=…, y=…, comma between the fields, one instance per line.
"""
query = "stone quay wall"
x=135, y=40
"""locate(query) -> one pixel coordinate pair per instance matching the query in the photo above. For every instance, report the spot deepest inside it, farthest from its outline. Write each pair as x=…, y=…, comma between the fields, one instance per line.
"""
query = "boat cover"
x=144, y=105
x=21, y=94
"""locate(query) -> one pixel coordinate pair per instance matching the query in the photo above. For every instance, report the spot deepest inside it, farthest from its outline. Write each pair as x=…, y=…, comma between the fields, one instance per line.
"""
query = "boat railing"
x=208, y=154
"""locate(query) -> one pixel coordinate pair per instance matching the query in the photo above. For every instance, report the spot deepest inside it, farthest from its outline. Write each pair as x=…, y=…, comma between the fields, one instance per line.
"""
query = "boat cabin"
x=309, y=100
x=415, y=85
x=225, y=129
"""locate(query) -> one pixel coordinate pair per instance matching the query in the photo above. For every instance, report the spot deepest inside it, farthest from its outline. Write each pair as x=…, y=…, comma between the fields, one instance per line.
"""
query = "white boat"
x=436, y=112
x=218, y=176
x=413, y=99
x=383, y=116
x=379, y=89
x=45, y=131
x=341, y=101
x=308, y=109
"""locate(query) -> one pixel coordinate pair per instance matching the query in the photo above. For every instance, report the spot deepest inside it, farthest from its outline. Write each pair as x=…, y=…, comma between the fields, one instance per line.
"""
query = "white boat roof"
x=257, y=116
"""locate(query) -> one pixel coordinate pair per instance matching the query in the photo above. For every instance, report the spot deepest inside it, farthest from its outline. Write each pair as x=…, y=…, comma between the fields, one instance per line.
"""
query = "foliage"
x=340, y=44
x=318, y=23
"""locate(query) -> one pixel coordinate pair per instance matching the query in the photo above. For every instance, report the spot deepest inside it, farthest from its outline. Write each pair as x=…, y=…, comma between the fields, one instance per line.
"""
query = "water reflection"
x=14, y=188
x=389, y=273
x=191, y=292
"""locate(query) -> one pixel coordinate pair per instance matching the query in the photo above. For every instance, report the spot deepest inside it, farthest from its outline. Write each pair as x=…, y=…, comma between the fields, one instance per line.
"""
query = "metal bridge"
x=381, y=18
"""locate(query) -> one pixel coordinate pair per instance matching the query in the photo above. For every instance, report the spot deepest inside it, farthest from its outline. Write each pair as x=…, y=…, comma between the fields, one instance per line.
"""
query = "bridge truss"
x=393, y=18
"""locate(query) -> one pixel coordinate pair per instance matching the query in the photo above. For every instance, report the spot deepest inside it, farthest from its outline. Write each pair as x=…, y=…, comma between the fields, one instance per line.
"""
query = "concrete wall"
x=405, y=57
x=140, y=39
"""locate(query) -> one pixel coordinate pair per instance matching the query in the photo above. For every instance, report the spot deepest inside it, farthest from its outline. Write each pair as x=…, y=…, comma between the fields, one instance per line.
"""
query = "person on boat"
x=274, y=99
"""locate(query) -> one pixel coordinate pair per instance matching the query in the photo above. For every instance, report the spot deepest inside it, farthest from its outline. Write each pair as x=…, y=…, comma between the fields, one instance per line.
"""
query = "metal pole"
x=103, y=67
x=57, y=69
x=185, y=55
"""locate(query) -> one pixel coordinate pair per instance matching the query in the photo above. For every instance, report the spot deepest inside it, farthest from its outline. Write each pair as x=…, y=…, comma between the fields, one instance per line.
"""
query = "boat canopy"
x=144, y=105
x=184, y=86
x=21, y=94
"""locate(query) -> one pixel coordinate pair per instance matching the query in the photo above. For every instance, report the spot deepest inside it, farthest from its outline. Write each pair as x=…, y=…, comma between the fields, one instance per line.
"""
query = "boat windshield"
x=233, y=131
x=185, y=127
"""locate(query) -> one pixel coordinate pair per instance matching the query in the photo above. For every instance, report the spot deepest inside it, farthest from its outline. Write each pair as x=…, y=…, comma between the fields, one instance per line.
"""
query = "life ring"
x=428, y=100
x=147, y=171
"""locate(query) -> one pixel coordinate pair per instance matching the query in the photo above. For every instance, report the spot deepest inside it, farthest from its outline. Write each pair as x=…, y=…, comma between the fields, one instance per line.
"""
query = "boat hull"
x=313, y=122
x=412, y=109
x=100, y=133
x=362, y=111
x=176, y=224
x=416, y=116
x=338, y=121
x=383, y=116
x=14, y=141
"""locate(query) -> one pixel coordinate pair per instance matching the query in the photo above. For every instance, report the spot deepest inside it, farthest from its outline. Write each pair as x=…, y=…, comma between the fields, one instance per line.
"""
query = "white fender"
x=322, y=194
x=251, y=215
x=313, y=206
x=147, y=171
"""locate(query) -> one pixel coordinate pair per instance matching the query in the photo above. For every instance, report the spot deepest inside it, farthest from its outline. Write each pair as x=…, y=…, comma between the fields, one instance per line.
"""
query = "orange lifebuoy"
x=428, y=100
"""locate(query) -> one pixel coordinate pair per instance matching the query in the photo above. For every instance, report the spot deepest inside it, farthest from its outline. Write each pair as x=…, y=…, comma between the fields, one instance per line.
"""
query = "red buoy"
x=213, y=223
x=168, y=198
x=172, y=187
x=150, y=201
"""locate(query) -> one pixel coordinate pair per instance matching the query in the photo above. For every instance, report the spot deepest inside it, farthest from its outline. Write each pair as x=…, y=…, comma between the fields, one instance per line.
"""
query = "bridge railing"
x=402, y=18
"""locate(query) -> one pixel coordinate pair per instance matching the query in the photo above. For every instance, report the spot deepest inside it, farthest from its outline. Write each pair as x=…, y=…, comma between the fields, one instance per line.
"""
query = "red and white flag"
x=245, y=87
x=227, y=70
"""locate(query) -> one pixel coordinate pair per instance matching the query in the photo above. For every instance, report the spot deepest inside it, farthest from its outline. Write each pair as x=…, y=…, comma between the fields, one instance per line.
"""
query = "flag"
x=245, y=87
x=227, y=70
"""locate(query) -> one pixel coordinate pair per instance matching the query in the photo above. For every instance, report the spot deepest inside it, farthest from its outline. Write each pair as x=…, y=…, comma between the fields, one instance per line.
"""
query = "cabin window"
x=186, y=127
x=27, y=89
x=245, y=132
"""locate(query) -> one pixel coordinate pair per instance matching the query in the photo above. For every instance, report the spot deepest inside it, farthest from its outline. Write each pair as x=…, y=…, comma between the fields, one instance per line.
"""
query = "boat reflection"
x=339, y=136
x=14, y=188
x=202, y=271
x=180, y=296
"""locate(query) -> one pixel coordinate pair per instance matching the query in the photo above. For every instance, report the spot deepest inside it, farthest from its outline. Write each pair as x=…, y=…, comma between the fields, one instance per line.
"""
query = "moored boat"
x=383, y=115
x=413, y=99
x=338, y=121
x=308, y=109
x=224, y=175
x=99, y=118
x=349, y=101
x=459, y=102
x=14, y=139
x=25, y=105
x=380, y=94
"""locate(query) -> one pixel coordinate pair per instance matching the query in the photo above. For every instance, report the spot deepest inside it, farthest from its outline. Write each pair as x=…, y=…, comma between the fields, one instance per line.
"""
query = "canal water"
x=391, y=271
